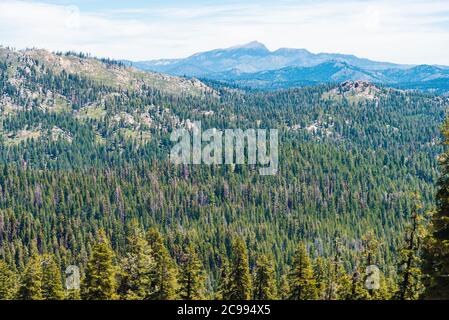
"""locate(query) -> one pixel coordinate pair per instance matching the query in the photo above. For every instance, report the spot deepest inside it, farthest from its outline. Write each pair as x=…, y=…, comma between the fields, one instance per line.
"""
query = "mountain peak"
x=250, y=45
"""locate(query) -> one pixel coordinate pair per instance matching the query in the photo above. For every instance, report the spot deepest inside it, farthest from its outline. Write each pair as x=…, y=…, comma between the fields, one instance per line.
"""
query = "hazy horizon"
x=404, y=32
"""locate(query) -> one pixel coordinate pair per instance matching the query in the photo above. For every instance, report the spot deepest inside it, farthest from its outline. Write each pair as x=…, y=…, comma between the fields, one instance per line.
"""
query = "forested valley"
x=85, y=180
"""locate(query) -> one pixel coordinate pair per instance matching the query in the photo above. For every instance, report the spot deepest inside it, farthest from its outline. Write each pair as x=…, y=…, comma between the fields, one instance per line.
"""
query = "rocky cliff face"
x=356, y=91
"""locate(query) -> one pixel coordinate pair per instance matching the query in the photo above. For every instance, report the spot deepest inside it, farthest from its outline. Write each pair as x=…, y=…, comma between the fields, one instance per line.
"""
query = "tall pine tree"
x=223, y=281
x=137, y=267
x=410, y=274
x=284, y=287
x=164, y=275
x=51, y=279
x=264, y=286
x=301, y=280
x=191, y=278
x=31, y=280
x=239, y=283
x=100, y=282
x=358, y=289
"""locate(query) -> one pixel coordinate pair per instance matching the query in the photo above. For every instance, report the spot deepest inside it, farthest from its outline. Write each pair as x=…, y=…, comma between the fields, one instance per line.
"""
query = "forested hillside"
x=84, y=156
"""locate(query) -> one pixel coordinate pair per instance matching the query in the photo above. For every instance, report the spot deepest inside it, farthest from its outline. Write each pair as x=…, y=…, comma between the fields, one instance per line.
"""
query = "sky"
x=400, y=31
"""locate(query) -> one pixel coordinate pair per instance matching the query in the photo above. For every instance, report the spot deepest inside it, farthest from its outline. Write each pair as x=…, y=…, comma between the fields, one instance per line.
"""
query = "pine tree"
x=264, y=279
x=321, y=273
x=368, y=276
x=410, y=285
x=301, y=280
x=386, y=289
x=99, y=282
x=344, y=288
x=239, y=285
x=370, y=248
x=283, y=287
x=51, y=279
x=436, y=251
x=223, y=281
x=31, y=280
x=137, y=267
x=337, y=282
x=8, y=282
x=191, y=279
x=164, y=284
x=358, y=289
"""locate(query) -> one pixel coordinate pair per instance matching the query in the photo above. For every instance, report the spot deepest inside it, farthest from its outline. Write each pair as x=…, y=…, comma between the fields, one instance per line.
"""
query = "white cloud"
x=399, y=31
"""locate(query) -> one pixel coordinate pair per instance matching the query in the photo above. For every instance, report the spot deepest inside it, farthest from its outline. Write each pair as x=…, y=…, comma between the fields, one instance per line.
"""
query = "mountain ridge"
x=253, y=65
x=295, y=57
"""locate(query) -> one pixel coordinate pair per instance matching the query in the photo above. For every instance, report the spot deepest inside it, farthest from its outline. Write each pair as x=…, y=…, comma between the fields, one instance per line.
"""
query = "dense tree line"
x=148, y=272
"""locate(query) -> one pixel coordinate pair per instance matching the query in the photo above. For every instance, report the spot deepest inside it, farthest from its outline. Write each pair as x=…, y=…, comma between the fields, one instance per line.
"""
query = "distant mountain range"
x=253, y=65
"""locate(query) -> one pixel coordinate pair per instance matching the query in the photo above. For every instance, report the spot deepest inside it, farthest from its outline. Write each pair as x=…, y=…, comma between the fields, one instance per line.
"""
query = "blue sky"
x=403, y=31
